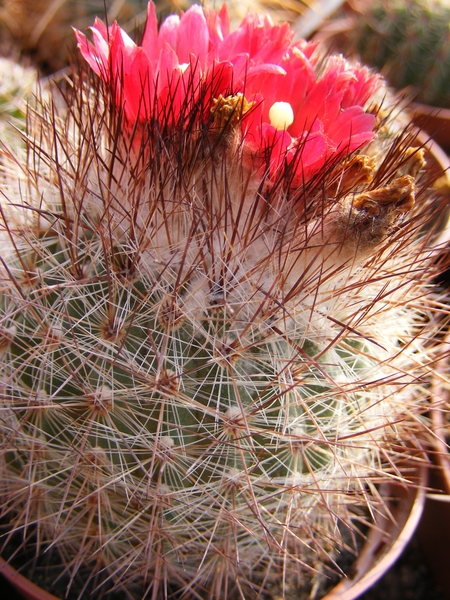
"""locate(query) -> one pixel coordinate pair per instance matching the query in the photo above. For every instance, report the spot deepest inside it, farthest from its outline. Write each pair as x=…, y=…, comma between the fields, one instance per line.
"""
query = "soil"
x=409, y=579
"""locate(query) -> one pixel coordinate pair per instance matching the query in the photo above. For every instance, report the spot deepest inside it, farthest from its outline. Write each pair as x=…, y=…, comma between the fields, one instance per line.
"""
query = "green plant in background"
x=410, y=41
x=214, y=317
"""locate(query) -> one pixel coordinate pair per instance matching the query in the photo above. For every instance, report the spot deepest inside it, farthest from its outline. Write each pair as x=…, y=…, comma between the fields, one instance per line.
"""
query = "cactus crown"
x=206, y=367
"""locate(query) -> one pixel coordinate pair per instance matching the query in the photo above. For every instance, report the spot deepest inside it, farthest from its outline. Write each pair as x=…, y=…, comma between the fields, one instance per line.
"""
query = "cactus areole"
x=213, y=313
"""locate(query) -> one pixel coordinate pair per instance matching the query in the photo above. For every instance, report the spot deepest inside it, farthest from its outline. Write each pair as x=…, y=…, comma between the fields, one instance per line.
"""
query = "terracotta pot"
x=433, y=120
x=384, y=544
x=388, y=538
x=434, y=535
x=441, y=404
x=24, y=586
x=434, y=530
x=438, y=173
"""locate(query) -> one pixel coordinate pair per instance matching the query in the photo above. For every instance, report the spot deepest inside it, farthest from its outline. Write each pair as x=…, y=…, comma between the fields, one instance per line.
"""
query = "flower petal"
x=218, y=25
x=352, y=129
x=150, y=39
x=168, y=32
x=193, y=59
x=139, y=87
x=98, y=63
x=193, y=36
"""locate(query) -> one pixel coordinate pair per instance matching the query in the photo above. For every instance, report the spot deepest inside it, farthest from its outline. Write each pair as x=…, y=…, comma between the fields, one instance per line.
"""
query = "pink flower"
x=305, y=115
x=328, y=116
x=165, y=72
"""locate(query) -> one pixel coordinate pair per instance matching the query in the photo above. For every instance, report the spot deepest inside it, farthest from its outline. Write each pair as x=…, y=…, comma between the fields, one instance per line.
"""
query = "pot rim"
x=28, y=589
x=440, y=396
x=402, y=515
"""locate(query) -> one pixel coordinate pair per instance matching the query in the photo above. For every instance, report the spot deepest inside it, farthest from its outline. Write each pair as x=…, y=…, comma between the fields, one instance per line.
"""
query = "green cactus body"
x=410, y=41
x=203, y=376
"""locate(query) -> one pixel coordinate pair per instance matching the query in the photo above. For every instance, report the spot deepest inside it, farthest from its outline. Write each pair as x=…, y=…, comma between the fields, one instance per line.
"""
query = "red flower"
x=327, y=116
x=305, y=114
x=164, y=72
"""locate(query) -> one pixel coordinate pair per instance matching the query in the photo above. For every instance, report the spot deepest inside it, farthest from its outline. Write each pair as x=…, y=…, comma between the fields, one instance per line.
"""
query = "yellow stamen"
x=230, y=110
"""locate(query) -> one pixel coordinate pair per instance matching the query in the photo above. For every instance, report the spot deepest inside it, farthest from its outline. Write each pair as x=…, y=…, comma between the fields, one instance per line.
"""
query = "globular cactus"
x=214, y=323
x=410, y=40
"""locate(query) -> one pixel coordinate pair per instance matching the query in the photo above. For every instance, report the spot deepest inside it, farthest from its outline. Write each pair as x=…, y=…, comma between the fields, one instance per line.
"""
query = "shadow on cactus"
x=214, y=321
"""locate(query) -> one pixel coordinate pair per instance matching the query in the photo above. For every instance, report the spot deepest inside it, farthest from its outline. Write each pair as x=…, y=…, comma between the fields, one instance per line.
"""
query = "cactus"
x=211, y=353
x=410, y=40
